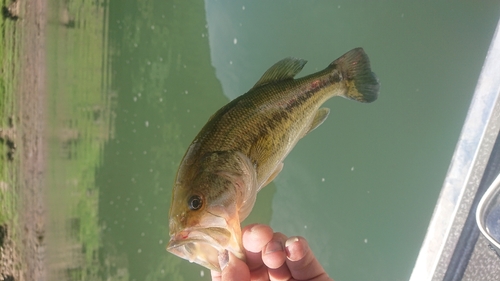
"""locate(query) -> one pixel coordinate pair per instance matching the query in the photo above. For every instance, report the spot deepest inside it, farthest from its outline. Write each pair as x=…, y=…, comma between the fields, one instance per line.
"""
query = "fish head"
x=207, y=208
x=201, y=229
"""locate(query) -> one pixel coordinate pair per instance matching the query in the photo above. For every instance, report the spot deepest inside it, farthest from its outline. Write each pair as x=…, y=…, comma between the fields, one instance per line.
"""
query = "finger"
x=235, y=270
x=216, y=276
x=255, y=237
x=301, y=261
x=274, y=257
x=273, y=254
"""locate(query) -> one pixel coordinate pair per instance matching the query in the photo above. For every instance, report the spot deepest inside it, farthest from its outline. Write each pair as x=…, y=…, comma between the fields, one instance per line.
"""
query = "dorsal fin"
x=284, y=69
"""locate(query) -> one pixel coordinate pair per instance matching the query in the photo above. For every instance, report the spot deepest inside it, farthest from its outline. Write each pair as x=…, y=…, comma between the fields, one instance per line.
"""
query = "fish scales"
x=242, y=148
x=265, y=123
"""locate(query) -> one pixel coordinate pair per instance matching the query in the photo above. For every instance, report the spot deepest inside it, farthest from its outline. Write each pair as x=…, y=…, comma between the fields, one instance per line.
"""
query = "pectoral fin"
x=273, y=175
x=319, y=118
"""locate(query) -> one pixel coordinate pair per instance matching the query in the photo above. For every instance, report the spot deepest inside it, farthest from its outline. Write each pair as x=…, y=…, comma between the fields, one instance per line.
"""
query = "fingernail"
x=273, y=246
x=223, y=259
x=289, y=242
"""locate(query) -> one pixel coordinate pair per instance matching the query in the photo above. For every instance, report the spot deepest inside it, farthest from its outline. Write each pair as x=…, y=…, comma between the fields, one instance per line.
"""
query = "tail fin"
x=362, y=83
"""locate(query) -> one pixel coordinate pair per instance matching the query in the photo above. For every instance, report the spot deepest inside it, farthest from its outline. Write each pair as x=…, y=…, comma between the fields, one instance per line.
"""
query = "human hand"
x=272, y=256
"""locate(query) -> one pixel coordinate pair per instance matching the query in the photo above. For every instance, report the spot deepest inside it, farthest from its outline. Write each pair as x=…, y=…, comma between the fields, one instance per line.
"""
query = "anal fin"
x=319, y=118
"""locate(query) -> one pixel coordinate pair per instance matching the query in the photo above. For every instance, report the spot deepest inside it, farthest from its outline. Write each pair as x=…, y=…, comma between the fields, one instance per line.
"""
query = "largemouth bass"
x=242, y=147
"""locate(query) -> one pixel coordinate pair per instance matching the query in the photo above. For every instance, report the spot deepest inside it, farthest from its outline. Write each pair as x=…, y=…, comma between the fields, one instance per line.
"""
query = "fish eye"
x=195, y=202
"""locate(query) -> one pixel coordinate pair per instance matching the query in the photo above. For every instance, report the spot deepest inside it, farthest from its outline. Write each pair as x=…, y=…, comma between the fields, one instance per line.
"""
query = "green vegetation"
x=9, y=58
x=80, y=123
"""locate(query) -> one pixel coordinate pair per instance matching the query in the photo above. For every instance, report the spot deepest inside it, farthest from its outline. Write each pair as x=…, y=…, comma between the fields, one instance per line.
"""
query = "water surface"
x=361, y=188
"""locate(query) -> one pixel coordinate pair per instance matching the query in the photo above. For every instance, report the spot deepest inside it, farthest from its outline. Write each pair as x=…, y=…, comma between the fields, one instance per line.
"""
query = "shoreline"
x=24, y=246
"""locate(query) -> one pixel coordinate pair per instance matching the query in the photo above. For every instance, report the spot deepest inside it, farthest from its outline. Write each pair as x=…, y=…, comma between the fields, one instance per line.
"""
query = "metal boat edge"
x=468, y=164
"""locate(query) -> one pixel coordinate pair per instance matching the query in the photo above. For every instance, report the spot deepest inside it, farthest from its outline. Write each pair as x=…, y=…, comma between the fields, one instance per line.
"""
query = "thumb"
x=233, y=269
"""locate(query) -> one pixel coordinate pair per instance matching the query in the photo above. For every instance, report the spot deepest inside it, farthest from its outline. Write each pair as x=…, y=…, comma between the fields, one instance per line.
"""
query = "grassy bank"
x=10, y=44
x=80, y=123
x=9, y=58
x=78, y=107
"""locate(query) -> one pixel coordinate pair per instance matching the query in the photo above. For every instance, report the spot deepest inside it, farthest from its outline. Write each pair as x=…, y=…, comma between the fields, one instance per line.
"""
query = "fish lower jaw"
x=204, y=246
x=201, y=251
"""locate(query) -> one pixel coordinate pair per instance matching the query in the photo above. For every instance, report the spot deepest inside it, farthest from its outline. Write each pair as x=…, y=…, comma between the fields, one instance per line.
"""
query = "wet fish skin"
x=242, y=148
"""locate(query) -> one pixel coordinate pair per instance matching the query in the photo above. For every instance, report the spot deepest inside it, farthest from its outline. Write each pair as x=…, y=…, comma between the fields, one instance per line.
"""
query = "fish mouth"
x=204, y=245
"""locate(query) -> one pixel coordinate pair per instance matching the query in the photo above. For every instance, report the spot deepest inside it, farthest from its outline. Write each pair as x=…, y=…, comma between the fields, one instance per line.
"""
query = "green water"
x=134, y=81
